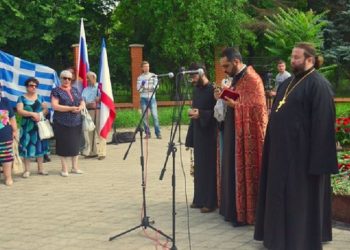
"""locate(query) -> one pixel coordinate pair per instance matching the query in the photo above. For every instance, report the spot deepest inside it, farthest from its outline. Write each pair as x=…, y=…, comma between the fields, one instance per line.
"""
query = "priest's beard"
x=297, y=69
x=200, y=82
x=233, y=71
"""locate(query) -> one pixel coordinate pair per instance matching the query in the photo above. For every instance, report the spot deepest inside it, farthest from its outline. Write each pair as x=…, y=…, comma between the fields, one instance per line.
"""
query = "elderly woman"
x=67, y=122
x=31, y=107
x=8, y=131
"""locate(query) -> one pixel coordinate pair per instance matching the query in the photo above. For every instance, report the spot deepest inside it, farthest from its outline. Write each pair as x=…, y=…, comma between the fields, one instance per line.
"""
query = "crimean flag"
x=107, y=112
x=83, y=60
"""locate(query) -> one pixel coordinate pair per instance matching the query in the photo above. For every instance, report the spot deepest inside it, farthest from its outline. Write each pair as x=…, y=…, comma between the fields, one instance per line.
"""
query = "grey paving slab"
x=83, y=211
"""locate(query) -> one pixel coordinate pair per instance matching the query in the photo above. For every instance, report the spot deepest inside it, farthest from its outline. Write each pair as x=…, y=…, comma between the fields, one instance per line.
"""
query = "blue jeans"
x=153, y=108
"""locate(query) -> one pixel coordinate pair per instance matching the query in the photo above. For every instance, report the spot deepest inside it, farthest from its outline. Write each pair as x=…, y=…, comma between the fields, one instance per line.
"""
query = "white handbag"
x=44, y=128
x=88, y=123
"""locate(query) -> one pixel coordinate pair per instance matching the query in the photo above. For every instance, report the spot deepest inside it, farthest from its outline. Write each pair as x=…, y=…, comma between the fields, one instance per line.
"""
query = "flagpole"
x=78, y=62
x=83, y=60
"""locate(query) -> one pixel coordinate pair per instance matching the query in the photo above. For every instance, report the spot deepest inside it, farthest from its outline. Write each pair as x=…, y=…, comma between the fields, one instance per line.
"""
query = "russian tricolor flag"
x=107, y=112
x=83, y=60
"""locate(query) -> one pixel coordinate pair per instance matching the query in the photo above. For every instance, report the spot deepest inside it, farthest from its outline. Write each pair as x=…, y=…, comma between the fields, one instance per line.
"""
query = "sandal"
x=43, y=172
x=9, y=182
x=26, y=174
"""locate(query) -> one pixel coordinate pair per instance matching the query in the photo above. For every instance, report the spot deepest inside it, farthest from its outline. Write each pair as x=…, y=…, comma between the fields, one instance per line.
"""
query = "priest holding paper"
x=244, y=130
x=202, y=137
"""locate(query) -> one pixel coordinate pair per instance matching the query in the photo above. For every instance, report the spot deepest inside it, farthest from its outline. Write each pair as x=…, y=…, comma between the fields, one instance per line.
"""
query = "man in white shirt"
x=146, y=83
x=282, y=75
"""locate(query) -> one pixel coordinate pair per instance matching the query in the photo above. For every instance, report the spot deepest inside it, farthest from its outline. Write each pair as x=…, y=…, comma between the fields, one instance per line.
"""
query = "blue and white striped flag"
x=14, y=71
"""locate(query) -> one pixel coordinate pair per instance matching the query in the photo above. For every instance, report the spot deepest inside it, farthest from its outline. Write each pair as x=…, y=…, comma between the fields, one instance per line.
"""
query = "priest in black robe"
x=294, y=205
x=202, y=130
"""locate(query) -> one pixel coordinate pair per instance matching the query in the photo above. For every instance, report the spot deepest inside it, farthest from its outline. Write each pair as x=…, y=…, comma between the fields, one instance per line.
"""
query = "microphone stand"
x=145, y=222
x=172, y=150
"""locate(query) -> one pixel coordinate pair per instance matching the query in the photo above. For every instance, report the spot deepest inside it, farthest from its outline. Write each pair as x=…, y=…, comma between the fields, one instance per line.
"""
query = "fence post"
x=219, y=73
x=75, y=48
x=136, y=55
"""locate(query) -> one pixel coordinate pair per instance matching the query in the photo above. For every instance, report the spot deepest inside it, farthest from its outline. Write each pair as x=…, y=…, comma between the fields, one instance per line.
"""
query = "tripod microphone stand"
x=145, y=222
x=172, y=150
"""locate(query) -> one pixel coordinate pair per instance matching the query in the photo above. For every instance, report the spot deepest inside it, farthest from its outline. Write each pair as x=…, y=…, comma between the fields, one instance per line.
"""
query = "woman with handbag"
x=8, y=132
x=67, y=122
x=31, y=107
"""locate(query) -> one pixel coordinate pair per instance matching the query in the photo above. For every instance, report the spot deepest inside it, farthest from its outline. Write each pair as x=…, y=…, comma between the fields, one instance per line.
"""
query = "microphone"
x=199, y=71
x=170, y=75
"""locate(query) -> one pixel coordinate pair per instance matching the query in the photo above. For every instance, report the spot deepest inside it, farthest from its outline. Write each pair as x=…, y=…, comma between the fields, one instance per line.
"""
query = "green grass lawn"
x=128, y=118
x=343, y=109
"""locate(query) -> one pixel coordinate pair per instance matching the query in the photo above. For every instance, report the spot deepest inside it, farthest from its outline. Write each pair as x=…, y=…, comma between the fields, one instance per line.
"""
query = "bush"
x=343, y=130
x=341, y=182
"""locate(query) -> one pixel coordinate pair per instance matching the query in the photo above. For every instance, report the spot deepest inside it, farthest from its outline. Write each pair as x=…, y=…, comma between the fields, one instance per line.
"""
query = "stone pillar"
x=219, y=71
x=75, y=48
x=136, y=55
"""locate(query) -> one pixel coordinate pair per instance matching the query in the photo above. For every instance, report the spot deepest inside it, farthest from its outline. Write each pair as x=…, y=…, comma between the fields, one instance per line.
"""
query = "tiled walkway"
x=83, y=211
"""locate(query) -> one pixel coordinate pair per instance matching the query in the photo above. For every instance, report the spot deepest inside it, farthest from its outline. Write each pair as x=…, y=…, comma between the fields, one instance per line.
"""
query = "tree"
x=40, y=31
x=44, y=30
x=337, y=46
x=177, y=32
x=291, y=26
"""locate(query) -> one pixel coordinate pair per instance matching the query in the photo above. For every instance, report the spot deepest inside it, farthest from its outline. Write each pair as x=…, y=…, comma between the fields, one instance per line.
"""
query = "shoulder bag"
x=88, y=123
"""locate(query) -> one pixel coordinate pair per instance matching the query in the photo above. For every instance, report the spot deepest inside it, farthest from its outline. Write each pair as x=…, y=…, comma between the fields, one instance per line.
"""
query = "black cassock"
x=294, y=205
x=202, y=133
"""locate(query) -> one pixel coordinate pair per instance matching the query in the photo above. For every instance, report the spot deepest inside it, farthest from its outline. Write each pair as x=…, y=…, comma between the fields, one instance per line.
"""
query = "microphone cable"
x=156, y=238
x=186, y=197
x=186, y=94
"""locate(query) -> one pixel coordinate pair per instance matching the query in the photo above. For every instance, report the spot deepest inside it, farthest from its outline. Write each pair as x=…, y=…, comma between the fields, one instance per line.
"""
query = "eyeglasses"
x=67, y=78
x=32, y=86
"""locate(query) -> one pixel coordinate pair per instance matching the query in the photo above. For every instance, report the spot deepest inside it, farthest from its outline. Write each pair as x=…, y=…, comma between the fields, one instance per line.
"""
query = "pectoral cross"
x=281, y=103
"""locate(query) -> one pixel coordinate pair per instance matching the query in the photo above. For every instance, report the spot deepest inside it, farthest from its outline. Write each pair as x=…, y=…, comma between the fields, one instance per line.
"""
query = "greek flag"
x=14, y=71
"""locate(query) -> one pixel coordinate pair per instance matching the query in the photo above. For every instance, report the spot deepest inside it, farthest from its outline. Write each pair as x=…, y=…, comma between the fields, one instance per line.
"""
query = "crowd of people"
x=67, y=102
x=271, y=171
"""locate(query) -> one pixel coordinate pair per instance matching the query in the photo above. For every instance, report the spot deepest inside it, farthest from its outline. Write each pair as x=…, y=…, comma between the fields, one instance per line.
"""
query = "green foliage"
x=343, y=109
x=291, y=26
x=342, y=129
x=127, y=118
x=32, y=28
x=337, y=42
x=43, y=31
x=178, y=32
x=337, y=37
x=342, y=125
x=341, y=182
x=121, y=93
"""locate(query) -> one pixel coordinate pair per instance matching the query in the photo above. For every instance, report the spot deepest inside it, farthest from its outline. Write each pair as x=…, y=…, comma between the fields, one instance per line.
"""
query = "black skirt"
x=67, y=139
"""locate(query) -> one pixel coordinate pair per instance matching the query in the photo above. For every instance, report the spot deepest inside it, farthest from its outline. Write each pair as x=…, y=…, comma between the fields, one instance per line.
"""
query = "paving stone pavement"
x=83, y=211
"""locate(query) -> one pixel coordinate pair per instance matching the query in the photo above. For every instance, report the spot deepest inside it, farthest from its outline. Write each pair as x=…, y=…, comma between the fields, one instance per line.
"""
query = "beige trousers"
x=94, y=144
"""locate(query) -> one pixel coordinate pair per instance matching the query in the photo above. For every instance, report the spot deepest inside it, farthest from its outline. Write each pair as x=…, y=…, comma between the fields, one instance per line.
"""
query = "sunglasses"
x=32, y=86
x=67, y=78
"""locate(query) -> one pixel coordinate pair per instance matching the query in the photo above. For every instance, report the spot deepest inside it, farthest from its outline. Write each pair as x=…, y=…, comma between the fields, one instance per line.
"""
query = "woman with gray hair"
x=67, y=104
